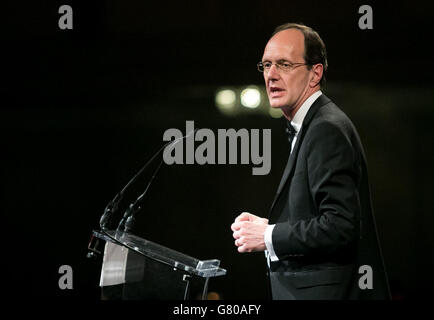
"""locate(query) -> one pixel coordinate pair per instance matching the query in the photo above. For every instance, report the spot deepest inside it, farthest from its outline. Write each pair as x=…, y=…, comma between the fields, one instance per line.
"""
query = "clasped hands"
x=248, y=232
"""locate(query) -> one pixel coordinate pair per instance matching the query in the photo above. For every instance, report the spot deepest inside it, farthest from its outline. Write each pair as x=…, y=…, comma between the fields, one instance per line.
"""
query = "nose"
x=273, y=73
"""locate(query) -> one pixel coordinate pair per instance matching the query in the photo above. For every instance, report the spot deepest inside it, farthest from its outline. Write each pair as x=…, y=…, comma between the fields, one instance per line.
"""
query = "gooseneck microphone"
x=128, y=219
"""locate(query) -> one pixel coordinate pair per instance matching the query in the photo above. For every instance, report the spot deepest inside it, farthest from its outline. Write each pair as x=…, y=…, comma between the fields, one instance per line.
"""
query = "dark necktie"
x=291, y=133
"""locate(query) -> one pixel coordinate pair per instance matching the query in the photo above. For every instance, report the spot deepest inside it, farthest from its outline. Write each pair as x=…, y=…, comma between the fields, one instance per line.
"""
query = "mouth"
x=276, y=92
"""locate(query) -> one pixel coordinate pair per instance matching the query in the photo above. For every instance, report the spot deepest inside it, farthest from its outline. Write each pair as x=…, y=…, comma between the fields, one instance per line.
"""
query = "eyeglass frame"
x=279, y=66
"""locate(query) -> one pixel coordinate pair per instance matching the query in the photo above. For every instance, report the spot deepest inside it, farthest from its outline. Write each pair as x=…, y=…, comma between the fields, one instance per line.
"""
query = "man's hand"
x=248, y=232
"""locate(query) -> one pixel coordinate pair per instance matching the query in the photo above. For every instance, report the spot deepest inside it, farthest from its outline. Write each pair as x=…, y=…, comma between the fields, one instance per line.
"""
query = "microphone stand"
x=112, y=206
x=128, y=219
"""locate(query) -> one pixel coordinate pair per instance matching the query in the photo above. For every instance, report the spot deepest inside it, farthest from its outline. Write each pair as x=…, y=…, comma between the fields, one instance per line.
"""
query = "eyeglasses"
x=285, y=66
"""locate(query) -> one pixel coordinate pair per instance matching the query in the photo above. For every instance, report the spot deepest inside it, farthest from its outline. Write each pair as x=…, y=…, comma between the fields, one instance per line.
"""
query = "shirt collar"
x=297, y=121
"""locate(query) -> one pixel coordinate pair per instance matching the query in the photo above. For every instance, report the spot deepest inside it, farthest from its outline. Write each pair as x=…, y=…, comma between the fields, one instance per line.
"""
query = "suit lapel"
x=322, y=100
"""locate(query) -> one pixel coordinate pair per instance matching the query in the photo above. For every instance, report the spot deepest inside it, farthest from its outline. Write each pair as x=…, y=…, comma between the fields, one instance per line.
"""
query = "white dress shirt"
x=296, y=122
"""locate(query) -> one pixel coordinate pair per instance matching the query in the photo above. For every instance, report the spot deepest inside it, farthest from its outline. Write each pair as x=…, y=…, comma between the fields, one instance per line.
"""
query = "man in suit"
x=320, y=239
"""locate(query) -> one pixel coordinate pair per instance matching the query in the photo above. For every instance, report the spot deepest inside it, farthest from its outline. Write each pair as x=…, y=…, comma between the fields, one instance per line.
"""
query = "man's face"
x=286, y=89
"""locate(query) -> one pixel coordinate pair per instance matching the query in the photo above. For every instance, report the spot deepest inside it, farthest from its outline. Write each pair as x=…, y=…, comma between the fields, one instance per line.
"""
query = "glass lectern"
x=136, y=268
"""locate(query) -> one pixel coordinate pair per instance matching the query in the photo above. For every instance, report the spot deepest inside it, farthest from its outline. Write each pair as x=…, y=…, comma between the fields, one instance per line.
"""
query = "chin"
x=276, y=104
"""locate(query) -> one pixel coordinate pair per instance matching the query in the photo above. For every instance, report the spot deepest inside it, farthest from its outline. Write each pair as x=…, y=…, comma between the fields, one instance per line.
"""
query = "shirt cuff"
x=269, y=242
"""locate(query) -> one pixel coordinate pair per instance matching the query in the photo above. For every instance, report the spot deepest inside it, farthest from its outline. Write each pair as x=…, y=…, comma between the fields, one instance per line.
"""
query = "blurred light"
x=225, y=99
x=250, y=97
x=213, y=296
x=275, y=112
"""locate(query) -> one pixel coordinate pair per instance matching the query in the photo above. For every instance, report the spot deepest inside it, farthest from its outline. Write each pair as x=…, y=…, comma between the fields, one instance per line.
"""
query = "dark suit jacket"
x=325, y=229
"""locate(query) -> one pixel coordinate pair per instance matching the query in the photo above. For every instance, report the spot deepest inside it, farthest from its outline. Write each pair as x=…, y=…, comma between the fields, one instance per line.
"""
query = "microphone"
x=130, y=213
x=128, y=219
x=112, y=206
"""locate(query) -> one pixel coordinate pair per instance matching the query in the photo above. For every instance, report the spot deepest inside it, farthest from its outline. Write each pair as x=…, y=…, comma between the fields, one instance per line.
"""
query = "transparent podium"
x=135, y=268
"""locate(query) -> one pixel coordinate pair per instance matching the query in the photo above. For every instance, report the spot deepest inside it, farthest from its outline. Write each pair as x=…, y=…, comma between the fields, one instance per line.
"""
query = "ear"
x=317, y=71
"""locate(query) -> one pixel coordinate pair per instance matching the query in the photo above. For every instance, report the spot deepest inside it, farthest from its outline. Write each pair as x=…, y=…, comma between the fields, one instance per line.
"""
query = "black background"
x=82, y=110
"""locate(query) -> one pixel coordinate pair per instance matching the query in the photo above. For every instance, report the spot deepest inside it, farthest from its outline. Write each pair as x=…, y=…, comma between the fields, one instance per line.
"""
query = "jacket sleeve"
x=333, y=173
